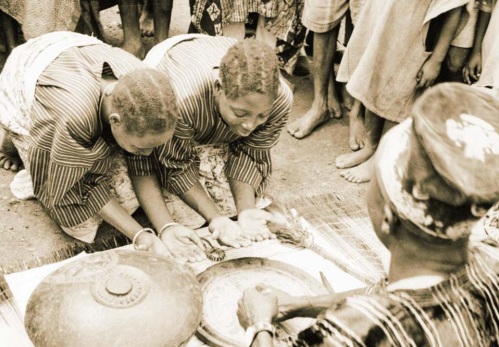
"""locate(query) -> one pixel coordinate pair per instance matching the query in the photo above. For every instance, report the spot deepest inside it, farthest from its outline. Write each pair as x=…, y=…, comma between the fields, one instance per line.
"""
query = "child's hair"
x=146, y=102
x=249, y=66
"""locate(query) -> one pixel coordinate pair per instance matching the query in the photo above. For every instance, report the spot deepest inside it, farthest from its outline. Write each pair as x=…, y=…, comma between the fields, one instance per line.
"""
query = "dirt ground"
x=301, y=168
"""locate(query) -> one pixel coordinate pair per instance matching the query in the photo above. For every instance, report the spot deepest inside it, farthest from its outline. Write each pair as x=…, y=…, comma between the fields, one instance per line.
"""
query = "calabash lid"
x=115, y=298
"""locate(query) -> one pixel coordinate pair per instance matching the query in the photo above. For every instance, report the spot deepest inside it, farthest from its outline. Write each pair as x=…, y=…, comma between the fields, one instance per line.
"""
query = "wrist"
x=258, y=331
x=140, y=236
x=166, y=227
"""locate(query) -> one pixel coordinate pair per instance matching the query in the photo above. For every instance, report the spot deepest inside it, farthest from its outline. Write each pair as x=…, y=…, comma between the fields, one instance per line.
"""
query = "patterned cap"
x=436, y=167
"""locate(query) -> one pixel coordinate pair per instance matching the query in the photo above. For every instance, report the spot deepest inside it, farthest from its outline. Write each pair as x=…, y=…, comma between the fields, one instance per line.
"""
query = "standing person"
x=229, y=93
x=323, y=18
x=483, y=66
x=278, y=25
x=431, y=177
x=401, y=59
x=73, y=106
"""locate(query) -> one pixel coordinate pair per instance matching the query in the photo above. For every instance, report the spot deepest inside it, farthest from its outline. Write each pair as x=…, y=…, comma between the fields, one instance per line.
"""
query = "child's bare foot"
x=304, y=125
x=9, y=158
x=333, y=100
x=357, y=138
x=146, y=22
x=359, y=174
x=348, y=100
x=348, y=160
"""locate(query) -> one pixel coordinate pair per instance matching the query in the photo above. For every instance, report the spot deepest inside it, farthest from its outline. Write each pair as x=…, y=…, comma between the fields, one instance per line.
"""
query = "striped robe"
x=462, y=311
x=66, y=148
x=189, y=61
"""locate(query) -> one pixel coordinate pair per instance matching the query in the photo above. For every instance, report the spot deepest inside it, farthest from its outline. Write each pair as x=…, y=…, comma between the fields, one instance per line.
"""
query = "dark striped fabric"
x=462, y=311
x=67, y=154
x=190, y=65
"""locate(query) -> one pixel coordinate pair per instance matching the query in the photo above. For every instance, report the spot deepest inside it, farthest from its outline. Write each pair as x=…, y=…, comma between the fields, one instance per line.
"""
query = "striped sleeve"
x=69, y=174
x=249, y=159
x=180, y=165
x=139, y=165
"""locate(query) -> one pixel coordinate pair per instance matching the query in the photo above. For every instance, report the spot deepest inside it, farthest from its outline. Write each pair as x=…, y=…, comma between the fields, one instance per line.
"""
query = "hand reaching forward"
x=256, y=307
x=285, y=302
x=228, y=232
x=151, y=243
x=183, y=243
x=253, y=223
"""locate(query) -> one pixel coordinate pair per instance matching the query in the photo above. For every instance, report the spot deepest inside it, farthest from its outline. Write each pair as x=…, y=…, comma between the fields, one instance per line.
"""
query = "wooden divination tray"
x=223, y=285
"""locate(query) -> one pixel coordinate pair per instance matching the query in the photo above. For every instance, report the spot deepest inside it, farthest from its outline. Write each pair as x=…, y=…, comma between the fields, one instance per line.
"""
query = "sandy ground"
x=301, y=168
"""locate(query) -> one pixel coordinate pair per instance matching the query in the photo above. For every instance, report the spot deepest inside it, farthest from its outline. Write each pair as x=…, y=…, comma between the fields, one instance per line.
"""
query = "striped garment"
x=67, y=155
x=462, y=311
x=190, y=65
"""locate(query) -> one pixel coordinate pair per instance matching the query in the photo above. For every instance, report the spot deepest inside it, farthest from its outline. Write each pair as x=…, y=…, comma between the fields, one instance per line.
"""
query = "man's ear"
x=390, y=220
x=218, y=86
x=115, y=119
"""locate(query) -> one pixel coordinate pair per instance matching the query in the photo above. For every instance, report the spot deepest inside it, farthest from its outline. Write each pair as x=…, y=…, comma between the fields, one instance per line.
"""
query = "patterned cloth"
x=189, y=61
x=282, y=19
x=463, y=310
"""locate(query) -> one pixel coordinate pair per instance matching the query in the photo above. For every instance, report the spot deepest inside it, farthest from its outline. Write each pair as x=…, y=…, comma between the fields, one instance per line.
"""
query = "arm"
x=116, y=216
x=473, y=68
x=182, y=242
x=431, y=68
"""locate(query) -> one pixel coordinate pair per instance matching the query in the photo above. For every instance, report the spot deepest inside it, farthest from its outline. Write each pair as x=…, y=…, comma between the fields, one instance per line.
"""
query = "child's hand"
x=472, y=70
x=428, y=73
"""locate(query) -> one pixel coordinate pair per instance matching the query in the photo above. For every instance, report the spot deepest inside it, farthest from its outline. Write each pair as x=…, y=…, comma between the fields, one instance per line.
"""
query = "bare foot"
x=136, y=48
x=357, y=138
x=359, y=174
x=9, y=158
x=348, y=100
x=333, y=100
x=304, y=125
x=348, y=160
x=146, y=22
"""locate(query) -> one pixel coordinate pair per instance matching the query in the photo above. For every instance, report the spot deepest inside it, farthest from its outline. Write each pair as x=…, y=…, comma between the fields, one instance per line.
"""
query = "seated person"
x=432, y=181
x=71, y=107
x=228, y=94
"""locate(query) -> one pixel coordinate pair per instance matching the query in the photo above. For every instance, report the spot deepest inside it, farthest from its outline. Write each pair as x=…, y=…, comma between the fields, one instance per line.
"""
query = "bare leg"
x=374, y=128
x=131, y=31
x=263, y=34
x=363, y=172
x=357, y=137
x=162, y=18
x=333, y=100
x=147, y=19
x=234, y=30
x=324, y=48
x=9, y=158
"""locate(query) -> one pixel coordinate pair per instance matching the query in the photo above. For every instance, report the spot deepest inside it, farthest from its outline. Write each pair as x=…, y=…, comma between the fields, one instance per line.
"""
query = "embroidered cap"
x=438, y=166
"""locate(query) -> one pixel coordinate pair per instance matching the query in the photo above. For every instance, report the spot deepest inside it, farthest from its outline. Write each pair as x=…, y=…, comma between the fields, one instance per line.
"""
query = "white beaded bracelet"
x=136, y=236
x=166, y=226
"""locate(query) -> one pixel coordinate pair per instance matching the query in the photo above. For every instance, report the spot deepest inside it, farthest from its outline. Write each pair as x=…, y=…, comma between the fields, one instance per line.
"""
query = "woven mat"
x=341, y=219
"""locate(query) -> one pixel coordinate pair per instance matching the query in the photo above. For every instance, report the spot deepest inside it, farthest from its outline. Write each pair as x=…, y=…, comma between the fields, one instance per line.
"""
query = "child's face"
x=244, y=114
x=139, y=145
